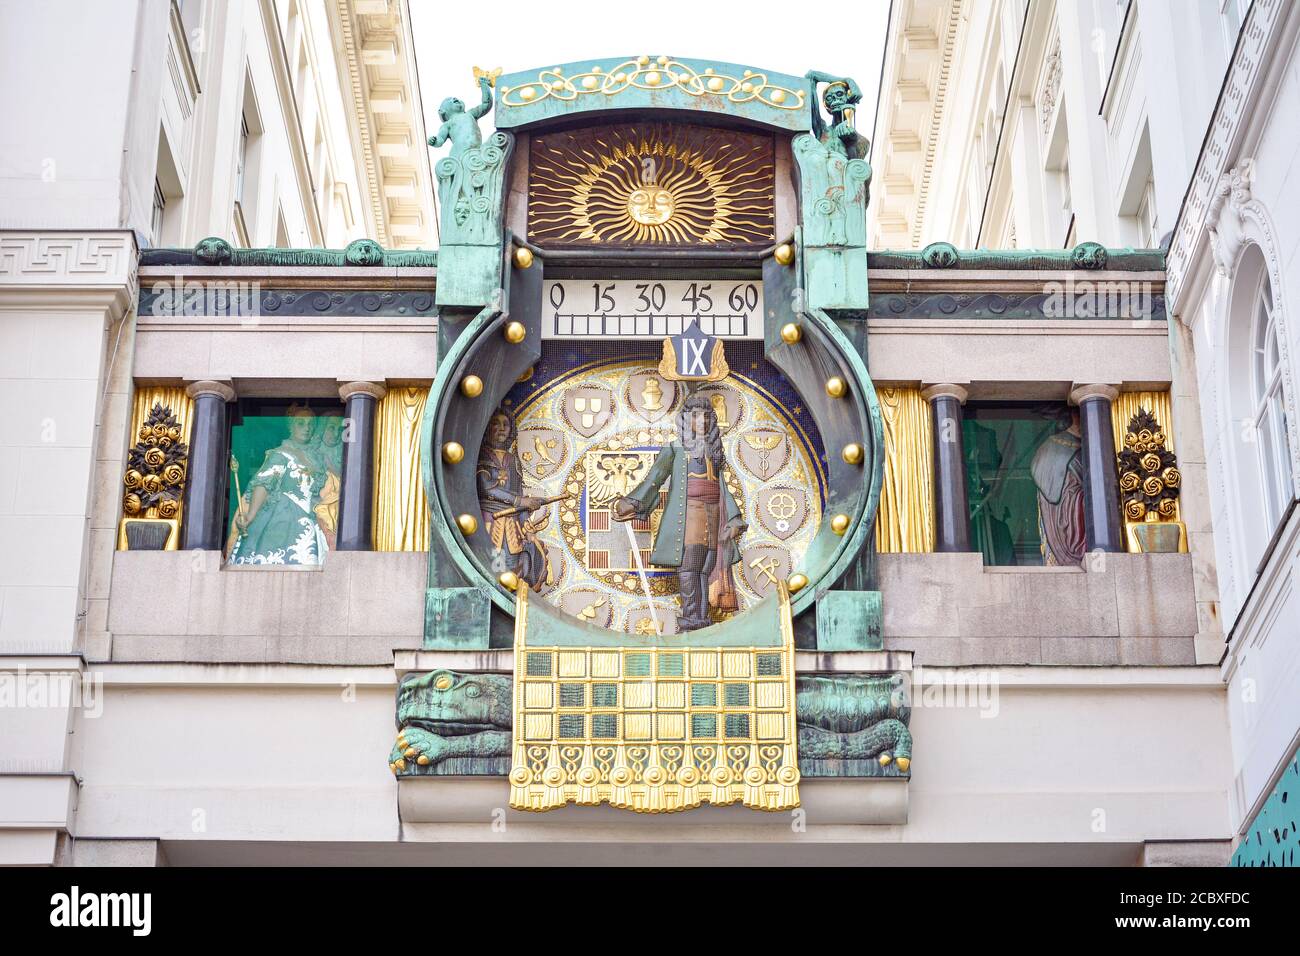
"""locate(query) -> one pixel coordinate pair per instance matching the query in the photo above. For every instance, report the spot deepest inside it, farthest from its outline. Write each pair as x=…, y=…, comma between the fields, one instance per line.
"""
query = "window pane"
x=1024, y=483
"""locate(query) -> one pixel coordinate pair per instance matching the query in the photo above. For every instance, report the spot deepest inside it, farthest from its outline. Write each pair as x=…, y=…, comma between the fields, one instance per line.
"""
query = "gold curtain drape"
x=401, y=508
x=905, y=520
x=169, y=396
x=1158, y=404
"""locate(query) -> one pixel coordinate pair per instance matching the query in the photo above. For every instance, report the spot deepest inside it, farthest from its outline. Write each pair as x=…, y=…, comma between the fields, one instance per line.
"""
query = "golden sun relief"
x=652, y=184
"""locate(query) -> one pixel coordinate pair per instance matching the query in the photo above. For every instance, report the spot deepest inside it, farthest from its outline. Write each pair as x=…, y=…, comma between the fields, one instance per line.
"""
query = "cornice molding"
x=42, y=270
x=1238, y=102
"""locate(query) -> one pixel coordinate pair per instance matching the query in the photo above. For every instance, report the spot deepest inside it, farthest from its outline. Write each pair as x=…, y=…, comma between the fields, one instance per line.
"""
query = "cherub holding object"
x=461, y=125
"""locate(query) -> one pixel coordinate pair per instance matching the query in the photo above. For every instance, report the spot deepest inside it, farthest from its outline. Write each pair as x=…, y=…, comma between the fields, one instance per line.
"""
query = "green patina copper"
x=1089, y=256
x=215, y=251
x=658, y=81
x=849, y=725
x=471, y=199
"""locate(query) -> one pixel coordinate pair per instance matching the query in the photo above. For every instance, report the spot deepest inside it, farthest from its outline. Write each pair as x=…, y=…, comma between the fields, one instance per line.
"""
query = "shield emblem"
x=726, y=406
x=589, y=605
x=651, y=395
x=542, y=451
x=588, y=409
x=782, y=511
x=763, y=565
x=763, y=451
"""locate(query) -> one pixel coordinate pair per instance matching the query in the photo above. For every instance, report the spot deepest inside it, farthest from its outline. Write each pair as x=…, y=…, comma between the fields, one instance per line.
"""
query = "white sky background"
x=452, y=37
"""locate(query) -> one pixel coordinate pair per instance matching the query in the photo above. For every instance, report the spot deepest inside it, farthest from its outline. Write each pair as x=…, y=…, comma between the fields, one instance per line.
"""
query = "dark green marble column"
x=208, y=473
x=951, y=510
x=357, y=494
x=1100, y=477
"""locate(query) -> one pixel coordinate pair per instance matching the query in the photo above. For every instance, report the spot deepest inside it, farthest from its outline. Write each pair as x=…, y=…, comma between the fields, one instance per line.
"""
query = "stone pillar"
x=1100, y=476
x=208, y=476
x=356, y=497
x=951, y=511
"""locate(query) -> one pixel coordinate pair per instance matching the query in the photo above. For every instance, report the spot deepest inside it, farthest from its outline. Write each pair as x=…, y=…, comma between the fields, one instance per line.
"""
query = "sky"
x=451, y=38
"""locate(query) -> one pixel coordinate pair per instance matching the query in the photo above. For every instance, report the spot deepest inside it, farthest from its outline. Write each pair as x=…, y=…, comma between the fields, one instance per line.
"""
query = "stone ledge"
x=950, y=610
x=424, y=800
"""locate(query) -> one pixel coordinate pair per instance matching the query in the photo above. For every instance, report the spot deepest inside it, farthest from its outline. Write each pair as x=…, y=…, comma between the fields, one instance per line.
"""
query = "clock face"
x=597, y=423
x=650, y=308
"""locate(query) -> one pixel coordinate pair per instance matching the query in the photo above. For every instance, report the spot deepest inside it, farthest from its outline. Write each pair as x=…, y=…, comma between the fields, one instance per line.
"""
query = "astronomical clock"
x=653, y=453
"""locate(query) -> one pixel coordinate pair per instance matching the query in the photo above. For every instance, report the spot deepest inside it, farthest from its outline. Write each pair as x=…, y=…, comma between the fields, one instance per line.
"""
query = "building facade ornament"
x=1225, y=217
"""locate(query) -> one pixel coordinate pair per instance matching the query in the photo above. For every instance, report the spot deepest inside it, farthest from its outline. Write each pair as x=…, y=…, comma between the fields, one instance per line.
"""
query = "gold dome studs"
x=784, y=254
x=840, y=524
x=509, y=580
x=791, y=333
x=515, y=332
x=836, y=387
x=468, y=524
x=471, y=386
x=903, y=763
x=453, y=452
x=523, y=257
x=797, y=582
x=853, y=453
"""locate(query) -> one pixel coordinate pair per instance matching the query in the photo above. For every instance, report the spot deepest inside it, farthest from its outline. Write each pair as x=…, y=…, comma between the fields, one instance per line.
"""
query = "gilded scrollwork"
x=649, y=74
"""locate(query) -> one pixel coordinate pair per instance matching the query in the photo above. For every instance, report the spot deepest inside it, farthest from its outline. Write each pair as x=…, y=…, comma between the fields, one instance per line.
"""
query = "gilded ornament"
x=471, y=386
x=132, y=478
x=784, y=254
x=468, y=524
x=523, y=257
x=453, y=452
x=645, y=73
x=797, y=582
x=836, y=387
x=515, y=332
x=131, y=504
x=168, y=508
x=853, y=453
x=840, y=524
x=791, y=333
x=509, y=580
x=652, y=184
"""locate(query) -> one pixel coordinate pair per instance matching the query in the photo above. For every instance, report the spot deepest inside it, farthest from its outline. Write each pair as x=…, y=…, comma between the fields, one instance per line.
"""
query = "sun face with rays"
x=651, y=184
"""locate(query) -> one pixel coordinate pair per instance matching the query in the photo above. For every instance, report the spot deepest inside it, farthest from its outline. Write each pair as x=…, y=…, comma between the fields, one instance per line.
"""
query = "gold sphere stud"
x=453, y=452
x=509, y=580
x=784, y=254
x=836, y=387
x=471, y=386
x=468, y=524
x=840, y=524
x=853, y=453
x=791, y=333
x=422, y=760
x=528, y=93
x=797, y=582
x=515, y=332
x=903, y=763
x=523, y=257
x=885, y=758
x=714, y=84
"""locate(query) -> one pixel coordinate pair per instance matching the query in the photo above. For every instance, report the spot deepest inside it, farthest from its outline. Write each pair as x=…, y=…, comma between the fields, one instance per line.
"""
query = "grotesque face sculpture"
x=651, y=205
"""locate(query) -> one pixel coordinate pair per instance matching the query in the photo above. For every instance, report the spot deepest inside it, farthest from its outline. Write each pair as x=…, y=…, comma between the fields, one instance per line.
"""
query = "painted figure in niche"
x=276, y=521
x=513, y=520
x=328, y=446
x=1058, y=472
x=701, y=528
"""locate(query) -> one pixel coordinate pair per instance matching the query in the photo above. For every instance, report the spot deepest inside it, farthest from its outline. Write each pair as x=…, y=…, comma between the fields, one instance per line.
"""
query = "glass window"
x=1270, y=425
x=286, y=461
x=156, y=220
x=1024, y=474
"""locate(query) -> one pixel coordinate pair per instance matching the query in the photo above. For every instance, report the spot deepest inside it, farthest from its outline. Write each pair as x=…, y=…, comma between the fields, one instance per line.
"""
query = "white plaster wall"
x=1082, y=757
